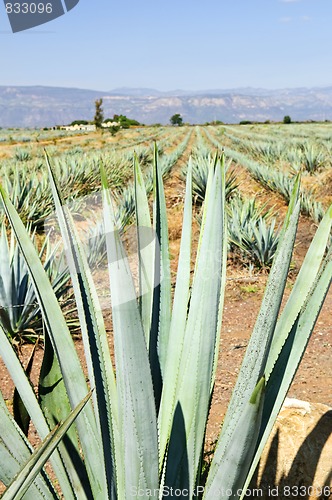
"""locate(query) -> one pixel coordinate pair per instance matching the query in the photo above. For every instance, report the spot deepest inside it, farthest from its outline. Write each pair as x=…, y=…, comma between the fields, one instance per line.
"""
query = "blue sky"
x=187, y=44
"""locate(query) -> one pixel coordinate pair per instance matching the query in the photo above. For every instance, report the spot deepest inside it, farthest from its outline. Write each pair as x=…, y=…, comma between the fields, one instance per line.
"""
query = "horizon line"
x=122, y=88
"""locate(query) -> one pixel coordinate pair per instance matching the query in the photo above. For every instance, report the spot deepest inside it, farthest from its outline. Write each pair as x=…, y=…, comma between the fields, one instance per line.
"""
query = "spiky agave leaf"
x=201, y=339
x=15, y=451
x=95, y=342
x=137, y=453
x=33, y=408
x=28, y=473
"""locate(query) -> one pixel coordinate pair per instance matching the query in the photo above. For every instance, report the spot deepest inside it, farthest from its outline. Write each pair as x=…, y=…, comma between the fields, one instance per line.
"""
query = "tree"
x=127, y=122
x=99, y=114
x=176, y=119
x=287, y=119
x=80, y=122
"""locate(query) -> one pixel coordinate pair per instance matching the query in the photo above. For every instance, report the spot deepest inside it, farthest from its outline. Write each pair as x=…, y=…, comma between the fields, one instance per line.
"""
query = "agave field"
x=226, y=285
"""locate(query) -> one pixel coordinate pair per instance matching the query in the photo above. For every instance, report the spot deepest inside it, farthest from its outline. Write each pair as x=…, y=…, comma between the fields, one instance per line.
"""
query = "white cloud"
x=289, y=1
x=305, y=19
x=285, y=20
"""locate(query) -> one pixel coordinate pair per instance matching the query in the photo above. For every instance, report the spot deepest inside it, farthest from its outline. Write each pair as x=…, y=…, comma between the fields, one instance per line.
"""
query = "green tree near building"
x=99, y=113
x=176, y=120
x=80, y=122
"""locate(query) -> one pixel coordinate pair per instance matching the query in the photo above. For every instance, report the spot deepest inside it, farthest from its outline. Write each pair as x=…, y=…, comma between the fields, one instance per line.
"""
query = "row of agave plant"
x=29, y=189
x=252, y=232
x=78, y=174
x=289, y=136
x=275, y=180
x=300, y=155
x=28, y=151
x=137, y=428
x=17, y=136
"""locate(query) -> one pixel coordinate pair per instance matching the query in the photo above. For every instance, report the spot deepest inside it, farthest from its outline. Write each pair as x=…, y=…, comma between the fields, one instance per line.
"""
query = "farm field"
x=262, y=161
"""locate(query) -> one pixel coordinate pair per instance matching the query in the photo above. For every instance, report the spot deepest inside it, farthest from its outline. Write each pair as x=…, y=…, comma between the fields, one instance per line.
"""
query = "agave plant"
x=142, y=434
x=313, y=158
x=276, y=180
x=311, y=207
x=200, y=173
x=31, y=196
x=294, y=158
x=22, y=155
x=252, y=231
x=266, y=152
x=20, y=314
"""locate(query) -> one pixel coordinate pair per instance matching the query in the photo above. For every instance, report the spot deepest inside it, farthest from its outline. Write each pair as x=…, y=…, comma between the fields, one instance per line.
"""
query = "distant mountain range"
x=38, y=106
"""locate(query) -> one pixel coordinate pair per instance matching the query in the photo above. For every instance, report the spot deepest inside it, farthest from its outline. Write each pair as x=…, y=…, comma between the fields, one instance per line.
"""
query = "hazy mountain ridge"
x=38, y=106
